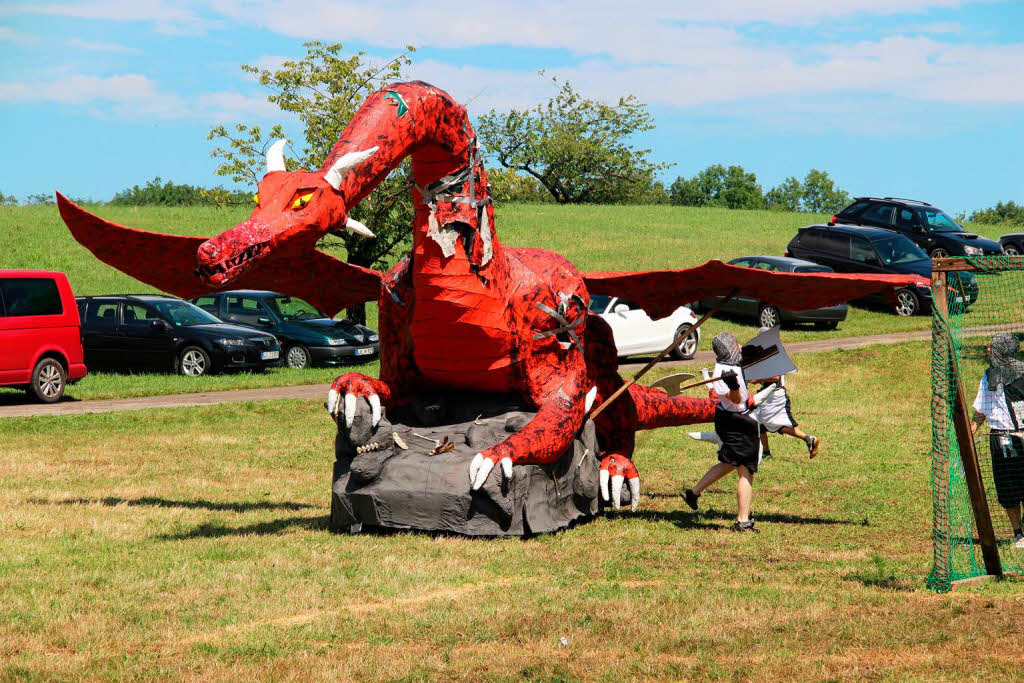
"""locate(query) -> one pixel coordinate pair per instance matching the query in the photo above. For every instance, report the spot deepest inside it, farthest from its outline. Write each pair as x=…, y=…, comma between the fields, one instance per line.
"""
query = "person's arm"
x=976, y=422
x=732, y=382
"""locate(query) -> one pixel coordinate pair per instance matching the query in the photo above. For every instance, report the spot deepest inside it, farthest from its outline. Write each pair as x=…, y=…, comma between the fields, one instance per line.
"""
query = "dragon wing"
x=168, y=262
x=660, y=292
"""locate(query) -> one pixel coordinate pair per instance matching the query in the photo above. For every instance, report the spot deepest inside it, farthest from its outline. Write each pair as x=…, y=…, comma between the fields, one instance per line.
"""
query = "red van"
x=40, y=336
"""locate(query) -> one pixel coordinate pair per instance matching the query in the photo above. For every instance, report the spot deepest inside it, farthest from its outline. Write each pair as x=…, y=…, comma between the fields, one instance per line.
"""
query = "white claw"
x=506, y=468
x=763, y=395
x=603, y=478
x=375, y=408
x=710, y=437
x=617, y=491
x=634, y=492
x=350, y=409
x=479, y=468
x=332, y=402
x=591, y=395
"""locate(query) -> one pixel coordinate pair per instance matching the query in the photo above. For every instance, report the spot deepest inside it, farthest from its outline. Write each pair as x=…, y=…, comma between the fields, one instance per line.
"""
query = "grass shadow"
x=216, y=530
x=153, y=501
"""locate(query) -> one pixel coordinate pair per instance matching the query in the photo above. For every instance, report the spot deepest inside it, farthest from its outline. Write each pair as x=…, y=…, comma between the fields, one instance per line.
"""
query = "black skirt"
x=740, y=435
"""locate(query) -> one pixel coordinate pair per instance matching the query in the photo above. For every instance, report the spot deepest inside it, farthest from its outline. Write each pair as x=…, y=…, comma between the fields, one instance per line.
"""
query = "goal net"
x=972, y=533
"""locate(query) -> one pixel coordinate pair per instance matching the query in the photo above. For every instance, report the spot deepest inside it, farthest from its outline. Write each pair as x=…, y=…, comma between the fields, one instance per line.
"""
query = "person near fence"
x=1000, y=402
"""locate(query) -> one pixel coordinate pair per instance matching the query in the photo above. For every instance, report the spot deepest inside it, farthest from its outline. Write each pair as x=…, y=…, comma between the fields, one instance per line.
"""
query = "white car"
x=636, y=333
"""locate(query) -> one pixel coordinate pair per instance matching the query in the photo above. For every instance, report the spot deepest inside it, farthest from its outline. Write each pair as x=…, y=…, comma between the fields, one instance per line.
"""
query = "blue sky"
x=914, y=98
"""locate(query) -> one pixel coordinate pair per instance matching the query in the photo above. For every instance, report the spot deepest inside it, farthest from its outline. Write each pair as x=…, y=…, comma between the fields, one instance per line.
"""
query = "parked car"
x=930, y=228
x=769, y=315
x=162, y=332
x=306, y=334
x=1012, y=243
x=40, y=337
x=854, y=249
x=636, y=333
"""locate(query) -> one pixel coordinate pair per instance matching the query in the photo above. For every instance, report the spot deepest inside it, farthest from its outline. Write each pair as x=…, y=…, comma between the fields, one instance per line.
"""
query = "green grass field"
x=192, y=543
x=593, y=237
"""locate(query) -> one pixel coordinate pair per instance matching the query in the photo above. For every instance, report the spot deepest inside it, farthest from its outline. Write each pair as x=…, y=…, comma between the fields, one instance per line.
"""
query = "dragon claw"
x=480, y=468
x=616, y=470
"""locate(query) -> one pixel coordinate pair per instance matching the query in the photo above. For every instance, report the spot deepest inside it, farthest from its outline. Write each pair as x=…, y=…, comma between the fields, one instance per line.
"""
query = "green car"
x=307, y=336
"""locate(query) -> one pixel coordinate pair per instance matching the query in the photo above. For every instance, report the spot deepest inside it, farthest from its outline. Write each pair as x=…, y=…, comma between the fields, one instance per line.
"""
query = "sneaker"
x=765, y=454
x=691, y=498
x=1018, y=539
x=745, y=526
x=813, y=443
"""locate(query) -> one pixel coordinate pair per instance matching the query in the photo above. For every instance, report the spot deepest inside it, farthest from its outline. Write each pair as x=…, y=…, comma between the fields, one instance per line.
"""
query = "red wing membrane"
x=659, y=292
x=168, y=262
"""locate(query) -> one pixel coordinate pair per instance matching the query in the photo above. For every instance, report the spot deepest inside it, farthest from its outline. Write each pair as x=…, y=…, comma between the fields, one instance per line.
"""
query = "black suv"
x=853, y=249
x=930, y=228
x=307, y=335
x=152, y=331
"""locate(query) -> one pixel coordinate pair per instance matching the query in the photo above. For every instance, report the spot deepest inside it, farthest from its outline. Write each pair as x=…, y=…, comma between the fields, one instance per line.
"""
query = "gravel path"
x=319, y=391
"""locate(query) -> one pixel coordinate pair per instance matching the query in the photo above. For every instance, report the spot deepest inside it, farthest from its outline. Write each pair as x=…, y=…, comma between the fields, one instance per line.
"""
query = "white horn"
x=352, y=225
x=275, y=156
x=346, y=163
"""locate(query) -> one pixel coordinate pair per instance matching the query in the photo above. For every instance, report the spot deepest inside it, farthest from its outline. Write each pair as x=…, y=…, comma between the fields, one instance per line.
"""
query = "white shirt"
x=992, y=404
x=722, y=390
x=776, y=403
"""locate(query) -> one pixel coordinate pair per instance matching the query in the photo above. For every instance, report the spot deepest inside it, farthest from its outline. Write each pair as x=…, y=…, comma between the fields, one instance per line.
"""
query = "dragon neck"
x=451, y=194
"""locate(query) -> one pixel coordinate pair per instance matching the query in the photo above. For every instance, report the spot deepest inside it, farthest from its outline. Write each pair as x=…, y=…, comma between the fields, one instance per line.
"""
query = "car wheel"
x=688, y=348
x=193, y=362
x=48, y=381
x=1011, y=250
x=297, y=357
x=939, y=252
x=769, y=316
x=826, y=325
x=906, y=303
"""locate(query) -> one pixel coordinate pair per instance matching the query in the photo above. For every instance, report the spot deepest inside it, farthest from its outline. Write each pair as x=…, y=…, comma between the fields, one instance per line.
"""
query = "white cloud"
x=166, y=17
x=9, y=35
x=102, y=47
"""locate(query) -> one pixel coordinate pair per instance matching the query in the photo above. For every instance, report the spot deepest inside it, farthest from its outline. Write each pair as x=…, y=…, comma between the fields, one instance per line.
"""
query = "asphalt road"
x=17, y=408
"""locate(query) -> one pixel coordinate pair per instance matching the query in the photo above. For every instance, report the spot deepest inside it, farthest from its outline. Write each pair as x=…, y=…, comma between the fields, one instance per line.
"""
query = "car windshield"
x=182, y=313
x=938, y=221
x=292, y=308
x=898, y=250
x=599, y=302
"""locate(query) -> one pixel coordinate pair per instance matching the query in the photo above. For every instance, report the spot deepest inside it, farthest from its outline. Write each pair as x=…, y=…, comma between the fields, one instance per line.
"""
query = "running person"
x=776, y=416
x=740, y=450
x=1000, y=402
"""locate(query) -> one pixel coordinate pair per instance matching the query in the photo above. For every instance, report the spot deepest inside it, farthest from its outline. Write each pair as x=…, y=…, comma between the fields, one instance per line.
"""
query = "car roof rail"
x=907, y=199
x=110, y=296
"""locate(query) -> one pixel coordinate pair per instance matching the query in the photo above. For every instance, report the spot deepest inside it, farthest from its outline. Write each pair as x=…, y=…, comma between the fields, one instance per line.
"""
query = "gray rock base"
x=390, y=487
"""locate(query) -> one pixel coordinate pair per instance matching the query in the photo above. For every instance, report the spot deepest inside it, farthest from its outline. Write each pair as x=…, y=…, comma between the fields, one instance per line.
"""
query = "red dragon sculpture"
x=461, y=311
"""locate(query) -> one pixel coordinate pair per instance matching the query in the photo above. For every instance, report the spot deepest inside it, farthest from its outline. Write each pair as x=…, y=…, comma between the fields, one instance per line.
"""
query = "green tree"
x=786, y=196
x=323, y=90
x=1008, y=213
x=730, y=188
x=578, y=149
x=157, y=193
x=6, y=199
x=821, y=195
x=509, y=185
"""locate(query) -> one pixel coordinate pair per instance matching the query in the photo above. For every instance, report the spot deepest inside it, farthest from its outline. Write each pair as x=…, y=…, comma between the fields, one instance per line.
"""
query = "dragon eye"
x=256, y=199
x=300, y=202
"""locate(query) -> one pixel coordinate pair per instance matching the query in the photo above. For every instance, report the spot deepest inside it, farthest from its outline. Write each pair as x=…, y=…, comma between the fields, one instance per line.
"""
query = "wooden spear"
x=675, y=342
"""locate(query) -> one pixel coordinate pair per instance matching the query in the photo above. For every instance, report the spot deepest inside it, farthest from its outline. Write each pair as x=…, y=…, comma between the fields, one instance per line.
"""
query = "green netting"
x=981, y=304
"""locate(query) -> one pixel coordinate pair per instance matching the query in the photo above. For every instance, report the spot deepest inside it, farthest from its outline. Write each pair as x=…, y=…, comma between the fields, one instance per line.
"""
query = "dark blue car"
x=307, y=336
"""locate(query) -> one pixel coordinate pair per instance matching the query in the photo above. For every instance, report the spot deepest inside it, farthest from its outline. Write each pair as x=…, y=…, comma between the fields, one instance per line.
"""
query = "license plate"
x=269, y=355
x=364, y=352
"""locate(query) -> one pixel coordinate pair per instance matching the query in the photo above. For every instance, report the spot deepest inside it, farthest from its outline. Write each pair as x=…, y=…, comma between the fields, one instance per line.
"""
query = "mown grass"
x=190, y=543
x=593, y=237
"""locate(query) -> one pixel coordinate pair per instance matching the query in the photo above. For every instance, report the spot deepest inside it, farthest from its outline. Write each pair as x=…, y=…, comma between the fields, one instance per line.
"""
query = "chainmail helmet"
x=1005, y=367
x=727, y=349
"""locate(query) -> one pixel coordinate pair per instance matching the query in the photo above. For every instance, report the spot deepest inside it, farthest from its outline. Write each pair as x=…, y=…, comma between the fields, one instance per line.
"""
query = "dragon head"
x=293, y=210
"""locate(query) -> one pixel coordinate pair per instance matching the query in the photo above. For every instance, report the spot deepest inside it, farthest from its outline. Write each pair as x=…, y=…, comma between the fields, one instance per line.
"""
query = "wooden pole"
x=965, y=441
x=675, y=342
